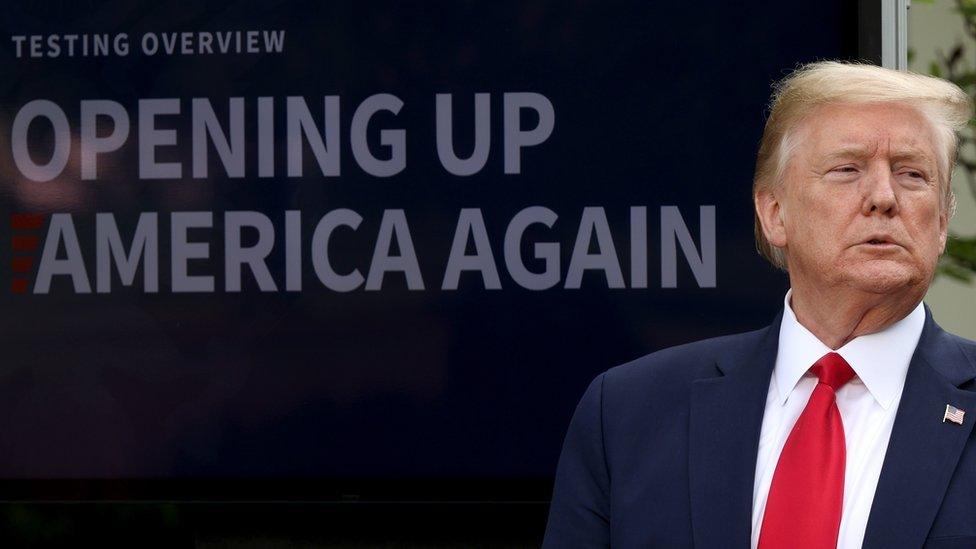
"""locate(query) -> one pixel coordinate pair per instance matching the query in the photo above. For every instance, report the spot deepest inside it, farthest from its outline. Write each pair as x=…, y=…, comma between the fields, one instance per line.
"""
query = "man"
x=848, y=421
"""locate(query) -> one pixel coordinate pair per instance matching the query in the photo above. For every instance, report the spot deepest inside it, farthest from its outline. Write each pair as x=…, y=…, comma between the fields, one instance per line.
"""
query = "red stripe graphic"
x=18, y=285
x=24, y=243
x=21, y=264
x=26, y=221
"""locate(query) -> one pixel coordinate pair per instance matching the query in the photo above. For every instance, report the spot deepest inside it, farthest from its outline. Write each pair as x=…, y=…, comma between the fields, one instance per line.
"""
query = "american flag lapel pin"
x=953, y=414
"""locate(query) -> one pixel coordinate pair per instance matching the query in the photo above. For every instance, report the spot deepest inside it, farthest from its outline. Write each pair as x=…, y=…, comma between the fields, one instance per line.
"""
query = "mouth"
x=881, y=242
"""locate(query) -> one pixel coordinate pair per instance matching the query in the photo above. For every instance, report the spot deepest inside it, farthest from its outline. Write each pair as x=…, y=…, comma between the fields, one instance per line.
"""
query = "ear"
x=770, y=213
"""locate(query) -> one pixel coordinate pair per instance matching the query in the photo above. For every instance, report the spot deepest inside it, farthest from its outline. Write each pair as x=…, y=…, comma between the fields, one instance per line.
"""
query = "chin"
x=886, y=277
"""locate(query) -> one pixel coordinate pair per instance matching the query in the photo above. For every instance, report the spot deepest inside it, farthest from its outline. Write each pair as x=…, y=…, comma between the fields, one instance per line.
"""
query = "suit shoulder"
x=652, y=393
x=968, y=346
x=683, y=363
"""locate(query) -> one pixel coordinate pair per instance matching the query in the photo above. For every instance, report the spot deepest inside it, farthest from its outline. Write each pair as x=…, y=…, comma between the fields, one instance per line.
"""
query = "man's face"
x=859, y=205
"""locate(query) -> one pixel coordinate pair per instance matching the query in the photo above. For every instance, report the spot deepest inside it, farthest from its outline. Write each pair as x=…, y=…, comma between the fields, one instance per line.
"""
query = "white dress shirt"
x=867, y=407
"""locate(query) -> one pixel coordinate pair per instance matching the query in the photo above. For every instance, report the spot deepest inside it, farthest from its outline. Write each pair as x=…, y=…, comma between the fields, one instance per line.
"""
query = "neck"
x=838, y=316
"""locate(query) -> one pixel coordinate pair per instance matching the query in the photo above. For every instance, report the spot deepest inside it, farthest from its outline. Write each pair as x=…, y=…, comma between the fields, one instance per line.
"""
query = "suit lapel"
x=725, y=422
x=923, y=451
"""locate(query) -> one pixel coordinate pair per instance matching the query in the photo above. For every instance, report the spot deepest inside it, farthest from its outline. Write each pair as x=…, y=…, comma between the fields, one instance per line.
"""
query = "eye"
x=914, y=175
x=846, y=169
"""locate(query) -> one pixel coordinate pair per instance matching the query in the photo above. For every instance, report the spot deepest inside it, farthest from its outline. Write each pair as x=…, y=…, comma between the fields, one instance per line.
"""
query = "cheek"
x=926, y=224
x=810, y=243
x=923, y=228
x=932, y=240
x=822, y=221
x=819, y=215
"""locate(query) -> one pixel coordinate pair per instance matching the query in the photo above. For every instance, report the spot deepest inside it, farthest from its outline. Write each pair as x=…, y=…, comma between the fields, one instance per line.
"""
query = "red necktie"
x=806, y=496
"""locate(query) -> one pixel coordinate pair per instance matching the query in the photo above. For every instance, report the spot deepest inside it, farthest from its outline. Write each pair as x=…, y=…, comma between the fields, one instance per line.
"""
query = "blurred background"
x=942, y=40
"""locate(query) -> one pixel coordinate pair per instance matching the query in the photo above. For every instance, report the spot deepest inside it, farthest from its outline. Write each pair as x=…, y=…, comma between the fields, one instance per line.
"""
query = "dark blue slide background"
x=656, y=103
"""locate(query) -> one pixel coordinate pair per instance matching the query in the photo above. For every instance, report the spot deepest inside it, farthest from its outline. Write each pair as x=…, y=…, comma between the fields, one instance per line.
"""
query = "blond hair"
x=947, y=108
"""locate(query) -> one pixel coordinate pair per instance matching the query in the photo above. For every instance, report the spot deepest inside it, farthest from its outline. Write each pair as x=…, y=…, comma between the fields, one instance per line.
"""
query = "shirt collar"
x=880, y=360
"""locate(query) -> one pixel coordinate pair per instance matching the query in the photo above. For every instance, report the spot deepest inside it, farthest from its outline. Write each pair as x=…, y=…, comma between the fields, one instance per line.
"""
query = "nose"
x=878, y=193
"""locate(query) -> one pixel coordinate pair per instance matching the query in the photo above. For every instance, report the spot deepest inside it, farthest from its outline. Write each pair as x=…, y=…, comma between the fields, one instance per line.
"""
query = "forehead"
x=889, y=127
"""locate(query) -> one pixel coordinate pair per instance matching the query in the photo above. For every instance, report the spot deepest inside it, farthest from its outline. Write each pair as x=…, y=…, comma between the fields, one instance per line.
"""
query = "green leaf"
x=967, y=7
x=935, y=70
x=954, y=272
x=959, y=260
x=967, y=79
x=955, y=55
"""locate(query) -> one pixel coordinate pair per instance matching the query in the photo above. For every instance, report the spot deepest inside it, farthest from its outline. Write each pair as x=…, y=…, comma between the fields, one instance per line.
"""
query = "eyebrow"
x=860, y=151
x=912, y=154
x=850, y=151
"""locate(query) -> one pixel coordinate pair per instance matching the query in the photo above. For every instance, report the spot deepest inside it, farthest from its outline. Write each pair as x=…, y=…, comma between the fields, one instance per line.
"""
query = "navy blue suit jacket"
x=661, y=452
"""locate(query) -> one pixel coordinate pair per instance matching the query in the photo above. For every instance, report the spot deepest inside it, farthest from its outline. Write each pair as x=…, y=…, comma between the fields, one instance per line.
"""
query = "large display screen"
x=347, y=242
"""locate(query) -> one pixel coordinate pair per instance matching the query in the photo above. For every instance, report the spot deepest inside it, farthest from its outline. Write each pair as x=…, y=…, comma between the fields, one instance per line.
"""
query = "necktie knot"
x=832, y=370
